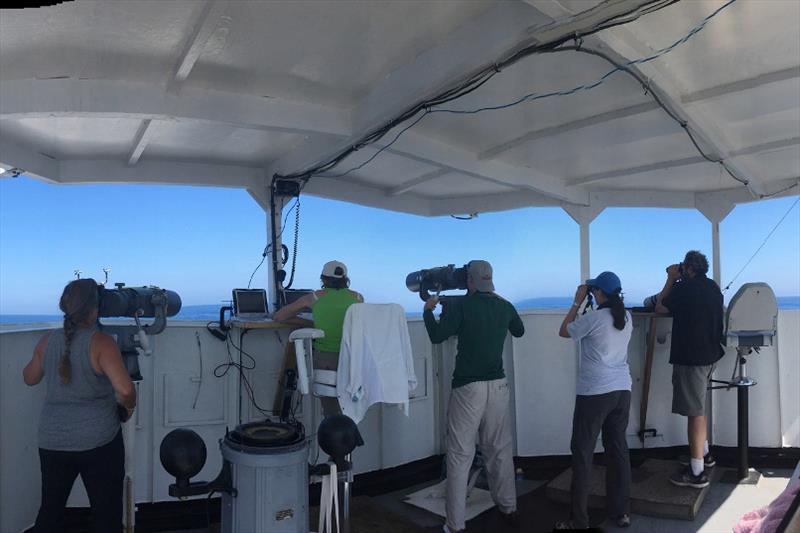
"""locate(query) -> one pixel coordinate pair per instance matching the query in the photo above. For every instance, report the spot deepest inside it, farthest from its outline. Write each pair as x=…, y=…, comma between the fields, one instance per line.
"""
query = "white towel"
x=375, y=359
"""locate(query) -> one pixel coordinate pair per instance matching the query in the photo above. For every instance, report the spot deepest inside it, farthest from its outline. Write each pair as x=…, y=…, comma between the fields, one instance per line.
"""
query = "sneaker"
x=623, y=520
x=685, y=478
x=511, y=519
x=708, y=460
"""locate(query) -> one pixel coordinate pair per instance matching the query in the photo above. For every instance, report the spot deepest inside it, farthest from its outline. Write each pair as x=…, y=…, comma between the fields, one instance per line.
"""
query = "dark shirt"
x=696, y=307
x=481, y=321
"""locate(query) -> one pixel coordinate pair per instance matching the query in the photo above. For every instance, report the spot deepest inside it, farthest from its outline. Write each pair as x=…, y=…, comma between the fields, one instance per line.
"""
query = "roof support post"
x=715, y=209
x=584, y=217
x=274, y=281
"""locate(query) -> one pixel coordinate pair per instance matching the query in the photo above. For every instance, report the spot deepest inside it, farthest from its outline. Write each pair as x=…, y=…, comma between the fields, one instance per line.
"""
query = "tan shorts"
x=689, y=384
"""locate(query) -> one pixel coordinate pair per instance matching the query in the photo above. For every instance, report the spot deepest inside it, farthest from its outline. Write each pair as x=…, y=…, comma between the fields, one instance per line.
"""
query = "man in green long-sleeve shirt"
x=478, y=408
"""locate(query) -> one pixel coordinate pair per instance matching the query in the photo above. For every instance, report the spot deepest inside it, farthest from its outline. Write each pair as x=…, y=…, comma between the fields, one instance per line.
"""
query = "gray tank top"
x=82, y=414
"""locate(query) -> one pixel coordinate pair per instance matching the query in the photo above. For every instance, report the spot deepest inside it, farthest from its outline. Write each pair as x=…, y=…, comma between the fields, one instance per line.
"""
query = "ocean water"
x=211, y=312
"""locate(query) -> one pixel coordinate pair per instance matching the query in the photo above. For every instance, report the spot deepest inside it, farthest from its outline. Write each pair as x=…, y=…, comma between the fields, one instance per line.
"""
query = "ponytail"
x=78, y=301
x=64, y=364
x=617, y=307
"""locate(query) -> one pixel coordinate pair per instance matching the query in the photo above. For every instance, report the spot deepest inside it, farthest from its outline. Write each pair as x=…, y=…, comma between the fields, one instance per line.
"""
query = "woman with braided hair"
x=88, y=392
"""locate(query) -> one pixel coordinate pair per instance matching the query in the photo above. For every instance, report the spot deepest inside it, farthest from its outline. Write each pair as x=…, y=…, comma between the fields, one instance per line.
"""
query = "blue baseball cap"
x=608, y=282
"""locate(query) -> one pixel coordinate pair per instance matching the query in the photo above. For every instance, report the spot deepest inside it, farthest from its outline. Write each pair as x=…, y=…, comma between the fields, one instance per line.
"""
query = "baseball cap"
x=608, y=282
x=334, y=269
x=481, y=274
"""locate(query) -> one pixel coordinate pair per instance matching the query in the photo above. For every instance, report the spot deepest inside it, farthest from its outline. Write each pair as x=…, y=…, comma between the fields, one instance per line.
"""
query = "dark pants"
x=609, y=413
x=102, y=471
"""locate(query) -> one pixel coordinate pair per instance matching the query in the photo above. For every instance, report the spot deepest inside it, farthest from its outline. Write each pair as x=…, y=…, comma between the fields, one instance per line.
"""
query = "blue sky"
x=201, y=242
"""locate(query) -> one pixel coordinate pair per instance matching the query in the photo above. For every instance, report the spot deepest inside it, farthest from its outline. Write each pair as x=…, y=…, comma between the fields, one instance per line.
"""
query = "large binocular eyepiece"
x=437, y=279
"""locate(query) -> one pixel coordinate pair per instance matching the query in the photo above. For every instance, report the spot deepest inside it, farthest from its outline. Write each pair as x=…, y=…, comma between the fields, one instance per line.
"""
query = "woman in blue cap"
x=603, y=397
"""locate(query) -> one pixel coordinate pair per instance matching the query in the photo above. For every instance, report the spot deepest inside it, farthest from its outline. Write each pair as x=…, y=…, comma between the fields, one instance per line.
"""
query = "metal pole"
x=743, y=422
x=744, y=430
x=346, y=496
x=585, y=254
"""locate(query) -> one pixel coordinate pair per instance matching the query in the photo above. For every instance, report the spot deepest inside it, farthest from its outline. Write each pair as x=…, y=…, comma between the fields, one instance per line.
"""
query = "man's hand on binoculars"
x=674, y=271
x=430, y=303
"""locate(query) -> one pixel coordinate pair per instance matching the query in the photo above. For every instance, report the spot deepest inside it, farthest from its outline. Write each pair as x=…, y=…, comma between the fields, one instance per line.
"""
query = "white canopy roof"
x=229, y=93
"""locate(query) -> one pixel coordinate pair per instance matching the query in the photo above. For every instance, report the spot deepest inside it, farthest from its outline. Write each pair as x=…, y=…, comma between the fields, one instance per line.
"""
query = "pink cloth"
x=767, y=519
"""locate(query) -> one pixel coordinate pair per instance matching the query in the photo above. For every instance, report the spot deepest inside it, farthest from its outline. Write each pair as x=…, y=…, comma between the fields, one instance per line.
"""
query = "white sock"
x=697, y=466
x=705, y=448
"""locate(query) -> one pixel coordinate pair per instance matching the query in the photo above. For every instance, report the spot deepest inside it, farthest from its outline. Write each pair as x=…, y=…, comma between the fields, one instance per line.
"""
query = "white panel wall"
x=541, y=368
x=412, y=437
x=670, y=428
x=789, y=375
x=544, y=385
x=20, y=406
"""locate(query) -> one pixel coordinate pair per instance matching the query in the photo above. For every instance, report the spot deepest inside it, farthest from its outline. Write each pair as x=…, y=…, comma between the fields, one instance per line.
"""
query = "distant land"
x=211, y=312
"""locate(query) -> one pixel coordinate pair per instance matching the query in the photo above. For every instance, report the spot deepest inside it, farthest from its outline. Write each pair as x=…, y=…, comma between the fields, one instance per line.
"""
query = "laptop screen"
x=250, y=301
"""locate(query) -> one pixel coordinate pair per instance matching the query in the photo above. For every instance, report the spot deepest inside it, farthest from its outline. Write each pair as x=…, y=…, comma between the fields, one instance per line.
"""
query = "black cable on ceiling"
x=470, y=85
x=681, y=121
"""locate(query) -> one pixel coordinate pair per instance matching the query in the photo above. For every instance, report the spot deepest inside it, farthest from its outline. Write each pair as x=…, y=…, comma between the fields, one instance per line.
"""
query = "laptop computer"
x=250, y=304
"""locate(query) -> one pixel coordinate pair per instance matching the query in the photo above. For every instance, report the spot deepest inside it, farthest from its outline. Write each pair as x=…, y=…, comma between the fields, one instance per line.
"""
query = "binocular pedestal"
x=744, y=475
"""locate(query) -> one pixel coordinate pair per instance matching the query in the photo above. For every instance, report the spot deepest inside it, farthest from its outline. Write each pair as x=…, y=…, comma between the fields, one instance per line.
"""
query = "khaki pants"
x=478, y=411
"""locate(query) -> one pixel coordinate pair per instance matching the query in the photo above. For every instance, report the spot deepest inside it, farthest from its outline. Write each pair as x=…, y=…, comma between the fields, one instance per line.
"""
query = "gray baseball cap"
x=481, y=274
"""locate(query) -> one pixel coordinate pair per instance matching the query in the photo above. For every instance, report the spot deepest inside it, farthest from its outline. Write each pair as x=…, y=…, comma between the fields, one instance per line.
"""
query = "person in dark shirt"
x=478, y=407
x=696, y=306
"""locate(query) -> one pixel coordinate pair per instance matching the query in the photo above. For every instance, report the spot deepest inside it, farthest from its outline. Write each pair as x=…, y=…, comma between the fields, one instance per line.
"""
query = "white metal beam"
x=622, y=46
x=693, y=160
x=34, y=163
x=767, y=147
x=489, y=203
x=715, y=209
x=209, y=22
x=567, y=127
x=410, y=184
x=158, y=171
x=742, y=85
x=140, y=141
x=96, y=98
x=369, y=196
x=434, y=152
x=584, y=217
x=686, y=161
x=705, y=94
x=496, y=34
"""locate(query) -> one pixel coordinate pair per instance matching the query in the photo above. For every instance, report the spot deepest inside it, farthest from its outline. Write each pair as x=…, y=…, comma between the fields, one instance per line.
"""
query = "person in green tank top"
x=328, y=307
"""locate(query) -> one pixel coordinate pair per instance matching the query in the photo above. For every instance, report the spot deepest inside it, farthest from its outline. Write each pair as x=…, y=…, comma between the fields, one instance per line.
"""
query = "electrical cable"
x=296, y=240
x=268, y=247
x=208, y=509
x=781, y=191
x=241, y=367
x=200, y=381
x=762, y=244
x=471, y=84
x=618, y=67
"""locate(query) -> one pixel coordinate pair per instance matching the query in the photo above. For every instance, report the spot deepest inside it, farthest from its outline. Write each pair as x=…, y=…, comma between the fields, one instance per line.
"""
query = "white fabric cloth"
x=603, y=352
x=375, y=359
x=329, y=501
